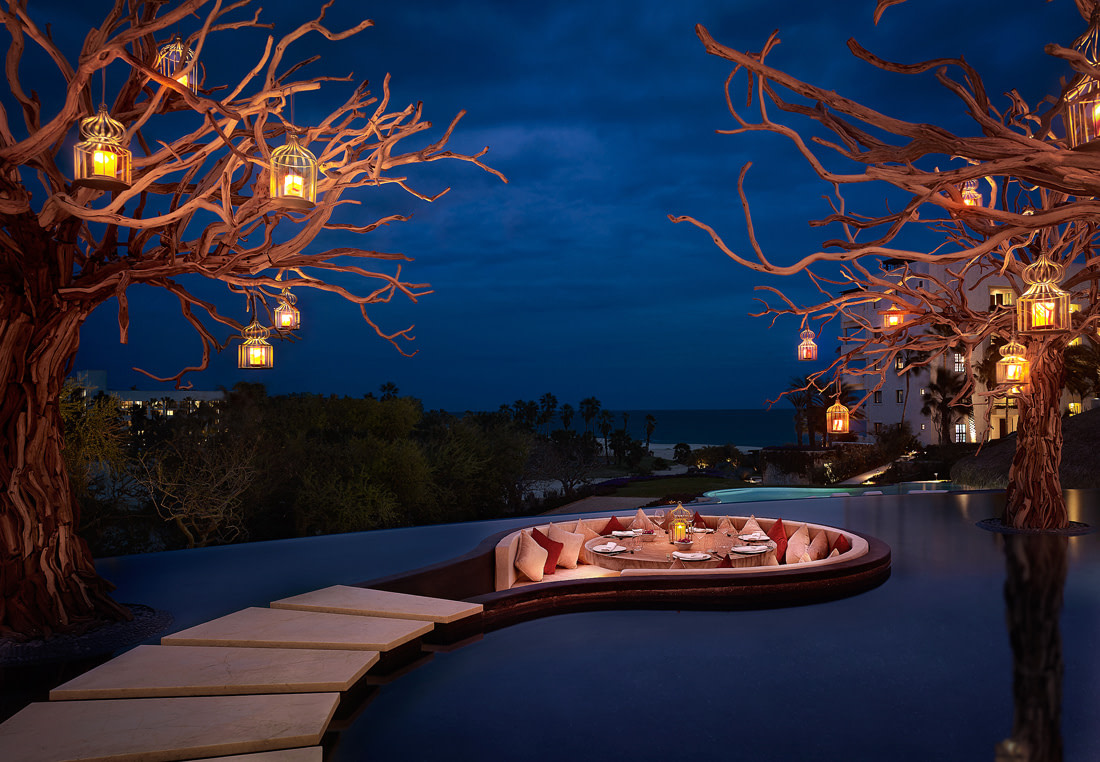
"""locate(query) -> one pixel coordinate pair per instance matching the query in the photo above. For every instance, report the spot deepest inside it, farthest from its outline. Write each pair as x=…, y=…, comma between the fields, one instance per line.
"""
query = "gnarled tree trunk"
x=1034, y=488
x=47, y=577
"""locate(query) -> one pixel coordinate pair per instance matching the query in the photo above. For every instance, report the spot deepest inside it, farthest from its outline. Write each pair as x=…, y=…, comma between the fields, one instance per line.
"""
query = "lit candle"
x=1042, y=314
x=105, y=163
x=182, y=79
x=1096, y=116
x=256, y=356
x=293, y=185
x=1013, y=371
x=893, y=319
x=838, y=425
x=285, y=319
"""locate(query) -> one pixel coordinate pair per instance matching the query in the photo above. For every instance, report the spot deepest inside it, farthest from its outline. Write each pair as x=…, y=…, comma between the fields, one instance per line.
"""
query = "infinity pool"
x=920, y=668
x=764, y=494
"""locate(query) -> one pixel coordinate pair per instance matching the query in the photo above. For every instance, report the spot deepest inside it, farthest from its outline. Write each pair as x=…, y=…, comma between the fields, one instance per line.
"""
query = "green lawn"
x=676, y=485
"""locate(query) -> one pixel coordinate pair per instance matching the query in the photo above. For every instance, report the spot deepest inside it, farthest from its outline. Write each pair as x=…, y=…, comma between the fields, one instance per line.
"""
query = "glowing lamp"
x=970, y=194
x=100, y=159
x=1043, y=308
x=287, y=317
x=893, y=317
x=807, y=350
x=836, y=419
x=172, y=61
x=293, y=175
x=255, y=352
x=1082, y=109
x=1013, y=367
x=679, y=523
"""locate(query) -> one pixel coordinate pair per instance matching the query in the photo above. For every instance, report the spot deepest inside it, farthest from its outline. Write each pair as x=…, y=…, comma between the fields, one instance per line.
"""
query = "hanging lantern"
x=1082, y=114
x=100, y=159
x=293, y=175
x=1043, y=308
x=172, y=60
x=679, y=523
x=893, y=317
x=836, y=419
x=807, y=350
x=970, y=194
x=287, y=317
x=255, y=352
x=1013, y=367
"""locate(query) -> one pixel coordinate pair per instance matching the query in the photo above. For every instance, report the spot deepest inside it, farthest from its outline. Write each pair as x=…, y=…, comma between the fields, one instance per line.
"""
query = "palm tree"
x=389, y=390
x=908, y=357
x=606, y=423
x=548, y=407
x=650, y=425
x=567, y=413
x=798, y=394
x=590, y=408
x=939, y=406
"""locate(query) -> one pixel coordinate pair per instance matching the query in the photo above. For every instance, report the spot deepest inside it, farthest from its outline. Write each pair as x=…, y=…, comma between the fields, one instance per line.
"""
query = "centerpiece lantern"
x=836, y=419
x=173, y=59
x=1043, y=308
x=679, y=521
x=1082, y=114
x=294, y=175
x=100, y=159
x=807, y=350
x=255, y=352
x=1013, y=367
x=287, y=316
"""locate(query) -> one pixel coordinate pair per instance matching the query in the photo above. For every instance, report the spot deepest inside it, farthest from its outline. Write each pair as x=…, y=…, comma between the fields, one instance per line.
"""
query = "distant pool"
x=754, y=494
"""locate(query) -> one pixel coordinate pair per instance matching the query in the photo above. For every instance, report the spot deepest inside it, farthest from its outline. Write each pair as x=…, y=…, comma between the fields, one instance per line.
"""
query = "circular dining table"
x=657, y=553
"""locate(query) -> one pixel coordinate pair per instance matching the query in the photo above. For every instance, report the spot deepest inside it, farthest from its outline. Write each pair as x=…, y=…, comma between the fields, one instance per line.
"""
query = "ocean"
x=744, y=428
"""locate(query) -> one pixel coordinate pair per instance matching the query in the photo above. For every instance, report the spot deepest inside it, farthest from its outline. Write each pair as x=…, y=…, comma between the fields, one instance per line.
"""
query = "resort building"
x=150, y=403
x=902, y=397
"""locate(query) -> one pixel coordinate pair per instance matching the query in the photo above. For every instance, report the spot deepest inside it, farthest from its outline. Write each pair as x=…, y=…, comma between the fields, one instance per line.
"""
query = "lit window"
x=1074, y=408
x=1001, y=297
x=960, y=433
x=960, y=363
x=878, y=427
x=923, y=426
x=923, y=392
x=878, y=398
x=900, y=396
x=899, y=363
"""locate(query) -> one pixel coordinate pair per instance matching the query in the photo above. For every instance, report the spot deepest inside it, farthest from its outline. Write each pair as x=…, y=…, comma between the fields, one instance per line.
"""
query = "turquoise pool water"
x=759, y=494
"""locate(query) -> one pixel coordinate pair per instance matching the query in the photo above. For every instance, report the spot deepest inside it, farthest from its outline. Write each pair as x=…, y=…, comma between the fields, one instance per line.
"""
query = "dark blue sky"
x=602, y=115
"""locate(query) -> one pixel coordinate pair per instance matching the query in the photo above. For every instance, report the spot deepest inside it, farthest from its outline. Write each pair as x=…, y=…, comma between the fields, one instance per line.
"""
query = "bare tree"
x=1044, y=207
x=197, y=206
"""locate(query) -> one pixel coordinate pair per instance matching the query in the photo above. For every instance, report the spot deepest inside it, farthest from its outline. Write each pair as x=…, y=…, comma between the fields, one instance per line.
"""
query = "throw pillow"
x=585, y=531
x=819, y=546
x=842, y=544
x=641, y=521
x=698, y=521
x=553, y=550
x=778, y=535
x=531, y=558
x=751, y=526
x=571, y=544
x=834, y=553
x=797, y=544
x=804, y=558
x=613, y=526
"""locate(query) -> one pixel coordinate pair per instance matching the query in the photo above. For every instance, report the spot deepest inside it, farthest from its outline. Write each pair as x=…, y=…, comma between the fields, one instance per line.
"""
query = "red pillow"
x=699, y=521
x=841, y=544
x=725, y=563
x=779, y=536
x=553, y=550
x=613, y=526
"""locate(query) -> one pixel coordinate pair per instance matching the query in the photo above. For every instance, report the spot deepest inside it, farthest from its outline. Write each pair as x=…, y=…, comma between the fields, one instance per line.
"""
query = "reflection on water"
x=1035, y=584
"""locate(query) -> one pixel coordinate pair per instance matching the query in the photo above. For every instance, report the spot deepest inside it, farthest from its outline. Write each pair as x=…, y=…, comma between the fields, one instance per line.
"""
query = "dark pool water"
x=920, y=668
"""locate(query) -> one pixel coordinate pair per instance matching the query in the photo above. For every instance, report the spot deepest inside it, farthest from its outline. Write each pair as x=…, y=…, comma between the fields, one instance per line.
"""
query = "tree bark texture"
x=1034, y=588
x=47, y=576
x=1034, y=497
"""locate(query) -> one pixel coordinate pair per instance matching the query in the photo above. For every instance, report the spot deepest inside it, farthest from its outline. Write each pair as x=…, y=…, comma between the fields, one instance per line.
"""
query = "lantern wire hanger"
x=255, y=351
x=101, y=159
x=293, y=171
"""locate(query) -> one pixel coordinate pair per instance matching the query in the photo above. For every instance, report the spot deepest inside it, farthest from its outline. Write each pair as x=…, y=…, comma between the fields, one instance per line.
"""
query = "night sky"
x=570, y=278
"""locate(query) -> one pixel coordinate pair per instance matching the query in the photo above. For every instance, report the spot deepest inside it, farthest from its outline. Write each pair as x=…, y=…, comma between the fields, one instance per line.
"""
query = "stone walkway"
x=262, y=684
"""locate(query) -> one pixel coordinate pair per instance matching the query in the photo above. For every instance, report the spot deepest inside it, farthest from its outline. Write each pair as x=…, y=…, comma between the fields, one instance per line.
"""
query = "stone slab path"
x=342, y=599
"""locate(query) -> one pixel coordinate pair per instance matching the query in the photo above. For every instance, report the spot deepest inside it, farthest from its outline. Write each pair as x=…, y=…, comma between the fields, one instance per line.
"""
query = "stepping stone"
x=342, y=599
x=165, y=729
x=280, y=628
x=218, y=671
x=310, y=754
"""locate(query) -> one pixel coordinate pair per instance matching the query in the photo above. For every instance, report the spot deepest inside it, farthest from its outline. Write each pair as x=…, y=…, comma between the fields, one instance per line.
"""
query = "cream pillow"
x=571, y=545
x=804, y=558
x=797, y=544
x=819, y=546
x=585, y=531
x=751, y=526
x=641, y=521
x=531, y=558
x=835, y=552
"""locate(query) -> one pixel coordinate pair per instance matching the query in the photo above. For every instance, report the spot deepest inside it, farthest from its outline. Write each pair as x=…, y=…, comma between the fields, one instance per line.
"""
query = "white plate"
x=697, y=530
x=753, y=537
x=750, y=550
x=623, y=533
x=602, y=549
x=690, y=556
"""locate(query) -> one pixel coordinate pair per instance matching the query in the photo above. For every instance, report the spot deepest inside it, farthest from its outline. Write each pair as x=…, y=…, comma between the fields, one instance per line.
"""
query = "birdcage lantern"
x=894, y=317
x=1013, y=368
x=807, y=350
x=1043, y=308
x=836, y=419
x=678, y=524
x=293, y=175
x=1082, y=109
x=100, y=159
x=255, y=352
x=971, y=196
x=174, y=60
x=287, y=316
